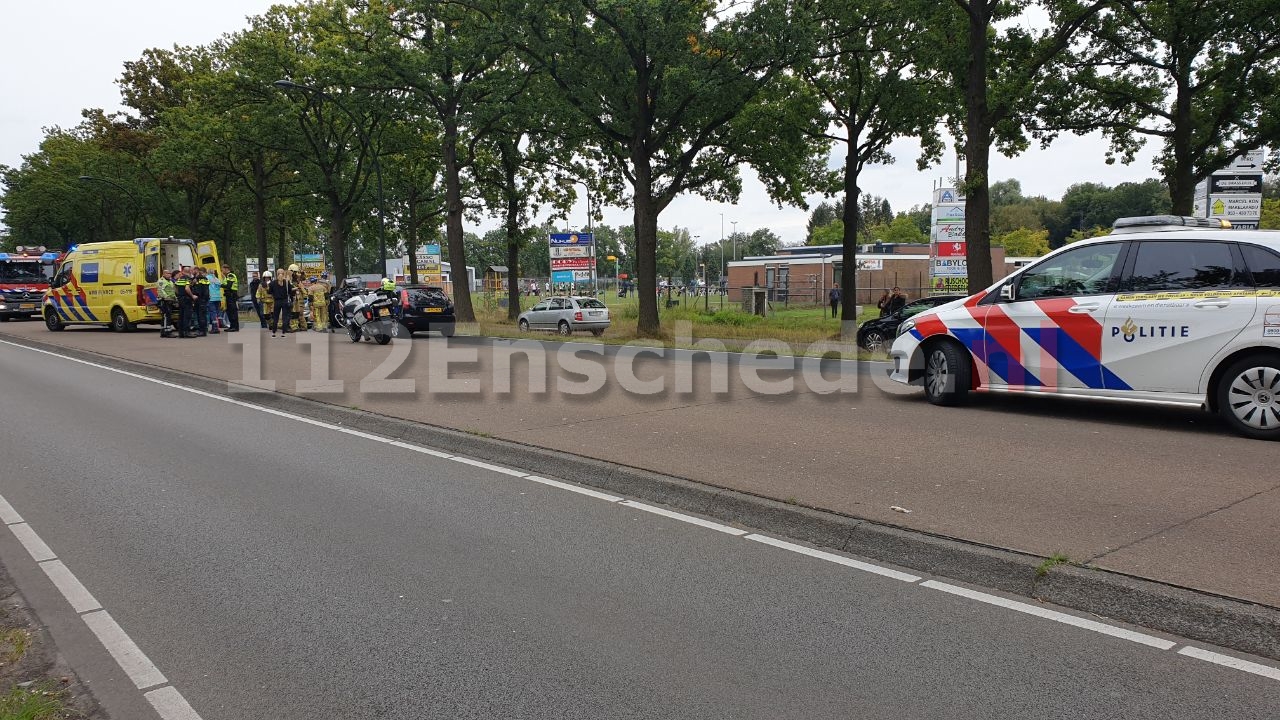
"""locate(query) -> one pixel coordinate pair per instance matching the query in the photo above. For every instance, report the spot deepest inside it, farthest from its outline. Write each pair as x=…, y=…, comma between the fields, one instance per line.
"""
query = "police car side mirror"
x=1006, y=292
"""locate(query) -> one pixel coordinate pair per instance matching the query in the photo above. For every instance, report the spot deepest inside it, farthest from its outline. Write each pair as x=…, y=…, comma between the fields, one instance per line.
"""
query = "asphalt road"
x=272, y=568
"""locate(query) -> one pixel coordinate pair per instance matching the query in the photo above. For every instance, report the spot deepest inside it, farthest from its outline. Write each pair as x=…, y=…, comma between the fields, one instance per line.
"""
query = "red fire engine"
x=24, y=278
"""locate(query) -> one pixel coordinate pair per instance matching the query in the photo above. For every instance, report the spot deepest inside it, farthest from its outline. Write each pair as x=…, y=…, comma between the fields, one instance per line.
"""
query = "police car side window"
x=1082, y=271
x=1172, y=265
x=1264, y=264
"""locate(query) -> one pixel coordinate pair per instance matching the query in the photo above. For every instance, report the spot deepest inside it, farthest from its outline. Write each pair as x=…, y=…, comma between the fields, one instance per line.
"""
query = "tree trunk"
x=260, y=213
x=462, y=308
x=338, y=237
x=511, y=168
x=413, y=236
x=646, y=225
x=849, y=263
x=977, y=215
x=1180, y=172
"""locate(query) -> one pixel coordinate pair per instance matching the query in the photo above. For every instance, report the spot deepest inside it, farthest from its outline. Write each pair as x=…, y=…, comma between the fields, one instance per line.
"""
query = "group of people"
x=889, y=302
x=281, y=301
x=191, y=302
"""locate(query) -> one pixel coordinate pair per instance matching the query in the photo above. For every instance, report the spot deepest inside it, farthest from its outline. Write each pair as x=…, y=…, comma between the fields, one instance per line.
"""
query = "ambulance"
x=114, y=283
x=1166, y=309
x=24, y=277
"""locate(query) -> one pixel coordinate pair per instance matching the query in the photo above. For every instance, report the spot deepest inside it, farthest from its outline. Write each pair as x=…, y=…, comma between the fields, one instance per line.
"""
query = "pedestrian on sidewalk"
x=834, y=297
x=281, y=290
x=215, y=301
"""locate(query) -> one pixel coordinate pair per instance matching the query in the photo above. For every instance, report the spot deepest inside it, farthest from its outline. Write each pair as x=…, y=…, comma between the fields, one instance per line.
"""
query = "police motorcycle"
x=350, y=288
x=370, y=315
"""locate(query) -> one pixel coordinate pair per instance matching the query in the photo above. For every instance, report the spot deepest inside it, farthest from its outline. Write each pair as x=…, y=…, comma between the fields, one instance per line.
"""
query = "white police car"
x=1165, y=309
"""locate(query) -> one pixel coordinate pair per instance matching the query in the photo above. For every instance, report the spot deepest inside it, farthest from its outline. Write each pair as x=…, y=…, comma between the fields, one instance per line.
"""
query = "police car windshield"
x=21, y=272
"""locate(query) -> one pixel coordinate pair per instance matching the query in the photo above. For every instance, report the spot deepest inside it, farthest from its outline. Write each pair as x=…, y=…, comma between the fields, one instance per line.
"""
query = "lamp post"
x=734, y=236
x=137, y=206
x=368, y=148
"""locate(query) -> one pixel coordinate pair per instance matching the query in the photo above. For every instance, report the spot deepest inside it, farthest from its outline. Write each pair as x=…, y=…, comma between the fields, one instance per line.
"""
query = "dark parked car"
x=878, y=333
x=425, y=308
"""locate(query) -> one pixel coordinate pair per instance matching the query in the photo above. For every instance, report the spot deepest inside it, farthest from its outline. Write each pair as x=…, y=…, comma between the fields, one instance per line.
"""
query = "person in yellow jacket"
x=298, y=308
x=318, y=290
x=264, y=298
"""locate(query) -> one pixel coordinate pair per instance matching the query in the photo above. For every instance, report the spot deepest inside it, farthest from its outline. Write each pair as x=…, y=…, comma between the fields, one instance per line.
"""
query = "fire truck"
x=24, y=278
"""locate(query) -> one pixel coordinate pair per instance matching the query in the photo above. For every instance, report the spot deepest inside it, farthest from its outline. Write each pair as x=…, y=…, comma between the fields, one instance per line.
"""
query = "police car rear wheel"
x=52, y=321
x=1249, y=397
x=946, y=374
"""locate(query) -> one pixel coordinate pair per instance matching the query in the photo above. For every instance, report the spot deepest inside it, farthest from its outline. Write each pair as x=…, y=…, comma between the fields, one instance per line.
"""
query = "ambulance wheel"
x=947, y=373
x=353, y=333
x=120, y=321
x=1249, y=396
x=52, y=321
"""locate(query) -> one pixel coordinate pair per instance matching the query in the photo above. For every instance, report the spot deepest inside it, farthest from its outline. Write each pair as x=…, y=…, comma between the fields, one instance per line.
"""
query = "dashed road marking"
x=1232, y=662
x=82, y=601
x=128, y=655
x=834, y=558
x=32, y=542
x=170, y=704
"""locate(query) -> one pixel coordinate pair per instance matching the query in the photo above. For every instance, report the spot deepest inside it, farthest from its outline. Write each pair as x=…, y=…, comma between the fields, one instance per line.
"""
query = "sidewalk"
x=1161, y=494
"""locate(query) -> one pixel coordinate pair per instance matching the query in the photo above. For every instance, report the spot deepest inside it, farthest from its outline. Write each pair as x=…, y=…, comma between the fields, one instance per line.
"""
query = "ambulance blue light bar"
x=1143, y=222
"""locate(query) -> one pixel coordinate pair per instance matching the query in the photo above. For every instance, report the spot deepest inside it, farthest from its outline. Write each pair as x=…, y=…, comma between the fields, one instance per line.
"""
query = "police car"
x=1165, y=309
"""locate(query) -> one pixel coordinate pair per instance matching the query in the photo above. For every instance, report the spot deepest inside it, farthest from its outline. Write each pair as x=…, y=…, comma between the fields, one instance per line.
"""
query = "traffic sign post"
x=1234, y=193
x=948, y=251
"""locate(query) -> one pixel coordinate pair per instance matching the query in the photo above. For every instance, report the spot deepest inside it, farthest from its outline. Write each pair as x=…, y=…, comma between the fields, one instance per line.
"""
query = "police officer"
x=231, y=291
x=168, y=296
x=200, y=288
x=186, y=302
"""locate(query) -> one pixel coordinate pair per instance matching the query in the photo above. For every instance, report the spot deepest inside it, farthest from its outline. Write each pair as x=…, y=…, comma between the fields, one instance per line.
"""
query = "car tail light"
x=578, y=316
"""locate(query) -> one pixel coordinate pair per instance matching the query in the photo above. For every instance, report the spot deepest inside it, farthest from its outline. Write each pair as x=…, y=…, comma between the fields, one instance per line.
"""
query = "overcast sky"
x=62, y=56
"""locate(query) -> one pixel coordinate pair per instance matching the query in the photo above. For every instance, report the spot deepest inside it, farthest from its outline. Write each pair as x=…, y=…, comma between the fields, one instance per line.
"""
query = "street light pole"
x=368, y=148
x=137, y=206
x=735, y=240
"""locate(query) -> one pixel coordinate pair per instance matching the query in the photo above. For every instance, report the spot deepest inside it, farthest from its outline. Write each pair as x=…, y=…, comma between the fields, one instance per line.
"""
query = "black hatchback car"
x=877, y=334
x=426, y=308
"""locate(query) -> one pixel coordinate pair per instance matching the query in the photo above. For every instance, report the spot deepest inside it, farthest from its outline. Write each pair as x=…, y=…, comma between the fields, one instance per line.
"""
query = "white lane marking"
x=838, y=559
x=423, y=450
x=170, y=704
x=1231, y=662
x=1105, y=629
x=128, y=655
x=32, y=542
x=488, y=466
x=77, y=594
x=684, y=518
x=8, y=515
x=574, y=488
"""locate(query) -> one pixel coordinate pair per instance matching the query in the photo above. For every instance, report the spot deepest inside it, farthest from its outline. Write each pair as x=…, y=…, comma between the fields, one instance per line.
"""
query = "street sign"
x=571, y=239
x=1235, y=184
x=949, y=232
x=1236, y=208
x=1251, y=160
x=950, y=267
x=947, y=195
x=570, y=251
x=310, y=263
x=562, y=276
x=571, y=263
x=948, y=213
x=951, y=249
x=582, y=275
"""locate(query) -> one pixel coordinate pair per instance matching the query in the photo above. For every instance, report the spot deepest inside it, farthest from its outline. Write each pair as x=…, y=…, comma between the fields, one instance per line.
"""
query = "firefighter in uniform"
x=168, y=296
x=319, y=292
x=299, y=298
x=231, y=292
x=186, y=302
x=265, y=301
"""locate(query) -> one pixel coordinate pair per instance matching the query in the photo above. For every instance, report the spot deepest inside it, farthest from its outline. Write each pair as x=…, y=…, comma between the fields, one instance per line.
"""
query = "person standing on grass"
x=834, y=297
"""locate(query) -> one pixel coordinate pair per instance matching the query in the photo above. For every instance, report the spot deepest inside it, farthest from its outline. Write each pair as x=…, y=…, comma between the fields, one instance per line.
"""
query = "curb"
x=1227, y=622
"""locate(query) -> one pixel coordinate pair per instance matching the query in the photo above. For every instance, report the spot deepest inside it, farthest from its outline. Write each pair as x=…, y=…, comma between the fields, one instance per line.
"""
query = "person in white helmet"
x=266, y=304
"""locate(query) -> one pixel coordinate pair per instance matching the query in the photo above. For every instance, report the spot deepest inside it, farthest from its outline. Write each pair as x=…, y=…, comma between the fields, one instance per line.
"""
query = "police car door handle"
x=1083, y=308
x=1213, y=303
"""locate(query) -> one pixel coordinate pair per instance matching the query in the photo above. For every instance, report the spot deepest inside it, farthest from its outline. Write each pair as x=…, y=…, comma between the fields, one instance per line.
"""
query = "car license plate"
x=435, y=310
x=383, y=312
x=595, y=313
x=27, y=306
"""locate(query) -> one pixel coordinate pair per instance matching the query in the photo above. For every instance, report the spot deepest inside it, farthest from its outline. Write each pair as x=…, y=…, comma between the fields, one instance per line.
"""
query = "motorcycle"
x=370, y=315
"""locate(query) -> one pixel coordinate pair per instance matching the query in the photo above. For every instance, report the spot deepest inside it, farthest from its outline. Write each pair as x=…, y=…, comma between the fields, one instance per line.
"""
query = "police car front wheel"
x=946, y=373
x=1249, y=396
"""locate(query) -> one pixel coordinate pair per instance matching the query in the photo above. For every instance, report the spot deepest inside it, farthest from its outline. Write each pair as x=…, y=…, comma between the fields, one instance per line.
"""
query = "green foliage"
x=901, y=230
x=1024, y=242
x=830, y=234
x=1270, y=214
